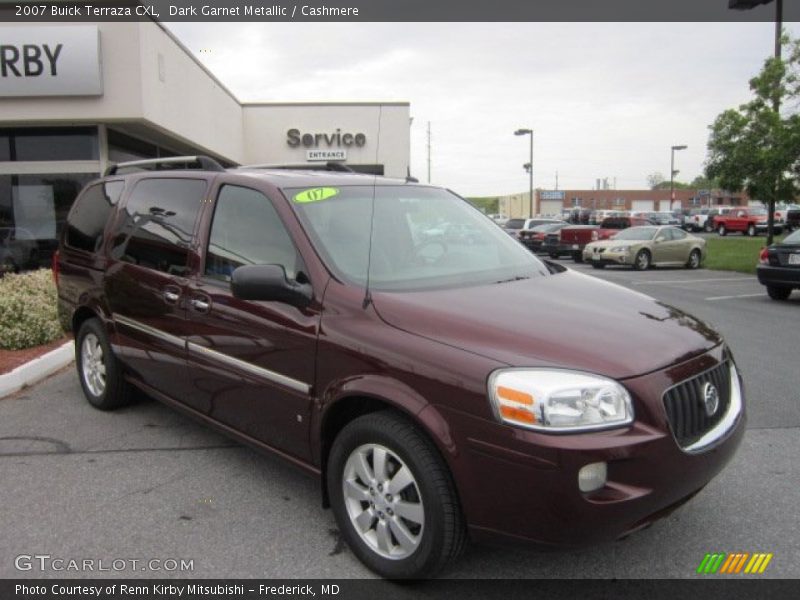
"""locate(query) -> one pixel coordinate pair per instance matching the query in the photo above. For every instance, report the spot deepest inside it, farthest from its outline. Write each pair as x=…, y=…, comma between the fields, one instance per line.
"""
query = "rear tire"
x=577, y=257
x=402, y=519
x=642, y=260
x=778, y=293
x=708, y=228
x=99, y=370
x=597, y=265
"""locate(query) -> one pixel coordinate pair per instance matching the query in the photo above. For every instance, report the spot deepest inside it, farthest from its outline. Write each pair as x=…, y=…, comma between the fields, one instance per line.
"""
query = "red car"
x=438, y=389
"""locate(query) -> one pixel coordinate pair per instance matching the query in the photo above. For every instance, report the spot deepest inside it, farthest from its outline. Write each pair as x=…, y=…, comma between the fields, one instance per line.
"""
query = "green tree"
x=756, y=148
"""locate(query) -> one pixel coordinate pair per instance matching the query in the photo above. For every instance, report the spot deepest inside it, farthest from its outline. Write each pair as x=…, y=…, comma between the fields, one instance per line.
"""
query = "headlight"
x=620, y=249
x=554, y=400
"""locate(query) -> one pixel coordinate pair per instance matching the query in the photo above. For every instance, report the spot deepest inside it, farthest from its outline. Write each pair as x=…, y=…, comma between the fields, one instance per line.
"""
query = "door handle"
x=171, y=297
x=200, y=305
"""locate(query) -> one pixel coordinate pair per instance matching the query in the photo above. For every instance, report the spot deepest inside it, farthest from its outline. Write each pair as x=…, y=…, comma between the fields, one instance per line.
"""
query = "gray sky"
x=603, y=99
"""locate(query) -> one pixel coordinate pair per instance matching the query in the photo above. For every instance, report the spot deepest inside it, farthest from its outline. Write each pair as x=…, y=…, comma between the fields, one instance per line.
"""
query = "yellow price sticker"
x=315, y=195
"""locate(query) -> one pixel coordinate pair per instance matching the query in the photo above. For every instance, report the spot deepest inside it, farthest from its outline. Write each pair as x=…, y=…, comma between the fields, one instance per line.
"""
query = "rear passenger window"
x=158, y=224
x=247, y=231
x=89, y=215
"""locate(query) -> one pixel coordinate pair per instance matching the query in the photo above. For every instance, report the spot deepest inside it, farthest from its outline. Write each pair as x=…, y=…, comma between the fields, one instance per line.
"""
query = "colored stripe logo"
x=721, y=563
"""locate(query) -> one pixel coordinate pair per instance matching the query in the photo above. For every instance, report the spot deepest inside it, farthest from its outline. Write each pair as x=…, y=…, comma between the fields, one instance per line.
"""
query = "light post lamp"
x=672, y=173
x=530, y=170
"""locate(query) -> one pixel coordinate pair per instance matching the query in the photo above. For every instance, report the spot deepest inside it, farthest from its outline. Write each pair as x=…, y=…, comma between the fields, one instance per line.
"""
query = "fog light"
x=592, y=477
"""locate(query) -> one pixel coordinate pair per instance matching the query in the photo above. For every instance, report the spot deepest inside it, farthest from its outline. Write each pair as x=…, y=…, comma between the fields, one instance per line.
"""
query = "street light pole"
x=672, y=172
x=530, y=171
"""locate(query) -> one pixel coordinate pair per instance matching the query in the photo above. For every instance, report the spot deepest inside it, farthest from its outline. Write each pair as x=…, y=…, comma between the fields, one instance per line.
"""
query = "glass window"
x=36, y=207
x=157, y=230
x=247, y=231
x=421, y=238
x=49, y=143
x=88, y=217
x=678, y=234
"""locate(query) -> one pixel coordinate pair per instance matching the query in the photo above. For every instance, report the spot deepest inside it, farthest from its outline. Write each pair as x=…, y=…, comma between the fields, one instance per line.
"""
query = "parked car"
x=515, y=227
x=648, y=246
x=573, y=239
x=713, y=213
x=413, y=380
x=18, y=250
x=749, y=221
x=665, y=218
x=792, y=217
x=779, y=267
x=696, y=219
x=533, y=239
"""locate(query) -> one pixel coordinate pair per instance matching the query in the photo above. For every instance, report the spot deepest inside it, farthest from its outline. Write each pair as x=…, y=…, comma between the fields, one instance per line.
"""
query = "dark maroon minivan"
x=442, y=382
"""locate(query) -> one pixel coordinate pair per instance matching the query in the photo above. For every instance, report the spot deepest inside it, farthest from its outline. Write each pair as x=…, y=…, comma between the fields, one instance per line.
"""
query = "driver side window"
x=247, y=230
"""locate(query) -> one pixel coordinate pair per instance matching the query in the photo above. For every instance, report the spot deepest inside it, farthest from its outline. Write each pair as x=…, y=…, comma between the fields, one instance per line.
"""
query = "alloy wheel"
x=93, y=367
x=383, y=500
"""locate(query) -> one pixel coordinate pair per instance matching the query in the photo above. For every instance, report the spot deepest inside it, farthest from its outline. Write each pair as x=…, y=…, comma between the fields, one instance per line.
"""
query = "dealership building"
x=76, y=98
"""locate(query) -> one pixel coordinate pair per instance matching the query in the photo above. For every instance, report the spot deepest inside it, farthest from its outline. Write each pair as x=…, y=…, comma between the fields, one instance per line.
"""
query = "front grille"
x=686, y=407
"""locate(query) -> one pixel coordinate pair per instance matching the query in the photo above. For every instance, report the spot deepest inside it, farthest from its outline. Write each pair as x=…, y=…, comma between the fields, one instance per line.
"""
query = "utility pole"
x=556, y=180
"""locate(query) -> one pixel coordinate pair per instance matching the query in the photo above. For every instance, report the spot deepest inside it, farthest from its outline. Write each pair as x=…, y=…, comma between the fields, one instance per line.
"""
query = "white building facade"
x=76, y=98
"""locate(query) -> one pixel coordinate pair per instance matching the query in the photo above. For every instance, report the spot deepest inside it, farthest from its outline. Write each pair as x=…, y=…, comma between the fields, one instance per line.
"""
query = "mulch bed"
x=11, y=359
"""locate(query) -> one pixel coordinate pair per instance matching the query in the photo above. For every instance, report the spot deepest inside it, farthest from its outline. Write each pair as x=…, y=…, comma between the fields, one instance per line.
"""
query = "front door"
x=251, y=363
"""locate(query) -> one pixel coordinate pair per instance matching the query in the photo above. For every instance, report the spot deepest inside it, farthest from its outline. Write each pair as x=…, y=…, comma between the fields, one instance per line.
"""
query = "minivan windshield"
x=422, y=238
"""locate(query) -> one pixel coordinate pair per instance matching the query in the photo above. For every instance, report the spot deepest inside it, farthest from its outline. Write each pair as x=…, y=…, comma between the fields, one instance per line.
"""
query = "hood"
x=565, y=320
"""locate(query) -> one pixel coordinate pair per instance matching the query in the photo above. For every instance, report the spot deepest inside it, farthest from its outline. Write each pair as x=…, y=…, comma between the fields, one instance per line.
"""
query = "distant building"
x=552, y=202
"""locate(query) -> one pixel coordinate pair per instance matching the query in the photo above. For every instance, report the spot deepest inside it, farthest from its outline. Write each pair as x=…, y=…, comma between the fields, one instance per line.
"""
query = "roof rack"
x=328, y=166
x=203, y=163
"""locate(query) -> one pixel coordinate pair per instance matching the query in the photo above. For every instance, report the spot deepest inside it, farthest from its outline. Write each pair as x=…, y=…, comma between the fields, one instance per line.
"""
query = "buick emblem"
x=710, y=398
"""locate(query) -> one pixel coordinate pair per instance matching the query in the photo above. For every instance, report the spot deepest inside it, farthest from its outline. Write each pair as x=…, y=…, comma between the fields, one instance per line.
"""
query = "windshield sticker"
x=315, y=195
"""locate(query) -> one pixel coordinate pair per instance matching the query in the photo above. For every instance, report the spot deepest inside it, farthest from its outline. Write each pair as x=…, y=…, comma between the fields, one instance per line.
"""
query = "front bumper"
x=522, y=485
x=606, y=257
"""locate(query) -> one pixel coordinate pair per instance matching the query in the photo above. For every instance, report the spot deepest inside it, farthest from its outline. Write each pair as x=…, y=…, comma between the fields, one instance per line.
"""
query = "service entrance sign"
x=326, y=155
x=61, y=60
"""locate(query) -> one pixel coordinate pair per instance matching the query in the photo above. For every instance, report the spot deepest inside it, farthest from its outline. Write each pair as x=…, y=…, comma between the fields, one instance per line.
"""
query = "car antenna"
x=367, y=294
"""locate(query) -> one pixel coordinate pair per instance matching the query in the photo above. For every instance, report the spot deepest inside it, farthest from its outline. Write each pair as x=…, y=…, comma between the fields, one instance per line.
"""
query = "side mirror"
x=269, y=283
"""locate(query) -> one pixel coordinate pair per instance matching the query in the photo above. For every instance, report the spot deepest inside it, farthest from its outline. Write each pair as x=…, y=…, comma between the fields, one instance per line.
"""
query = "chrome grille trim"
x=691, y=428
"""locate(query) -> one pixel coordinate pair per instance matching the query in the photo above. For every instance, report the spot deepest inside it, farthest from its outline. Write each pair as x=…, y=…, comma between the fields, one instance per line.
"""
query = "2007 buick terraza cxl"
x=442, y=387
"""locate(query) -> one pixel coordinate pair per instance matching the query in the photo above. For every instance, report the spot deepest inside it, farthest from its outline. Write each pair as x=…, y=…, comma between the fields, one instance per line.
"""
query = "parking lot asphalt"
x=148, y=483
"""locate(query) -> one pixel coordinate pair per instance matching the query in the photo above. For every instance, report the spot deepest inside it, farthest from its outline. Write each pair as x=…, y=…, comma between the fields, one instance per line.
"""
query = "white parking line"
x=668, y=281
x=732, y=297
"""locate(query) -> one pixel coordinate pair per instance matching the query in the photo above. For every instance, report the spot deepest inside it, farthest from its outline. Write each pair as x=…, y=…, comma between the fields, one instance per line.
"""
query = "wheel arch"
x=337, y=413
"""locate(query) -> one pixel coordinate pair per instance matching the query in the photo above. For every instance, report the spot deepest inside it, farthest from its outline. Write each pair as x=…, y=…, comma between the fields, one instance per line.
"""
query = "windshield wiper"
x=517, y=278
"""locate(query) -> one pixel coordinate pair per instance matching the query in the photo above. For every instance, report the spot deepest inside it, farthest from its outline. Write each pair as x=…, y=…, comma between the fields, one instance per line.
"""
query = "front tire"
x=722, y=230
x=751, y=230
x=393, y=497
x=642, y=260
x=694, y=260
x=99, y=370
x=778, y=293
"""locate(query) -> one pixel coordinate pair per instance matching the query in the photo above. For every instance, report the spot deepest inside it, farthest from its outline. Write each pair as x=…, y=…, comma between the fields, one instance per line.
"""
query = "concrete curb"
x=37, y=369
